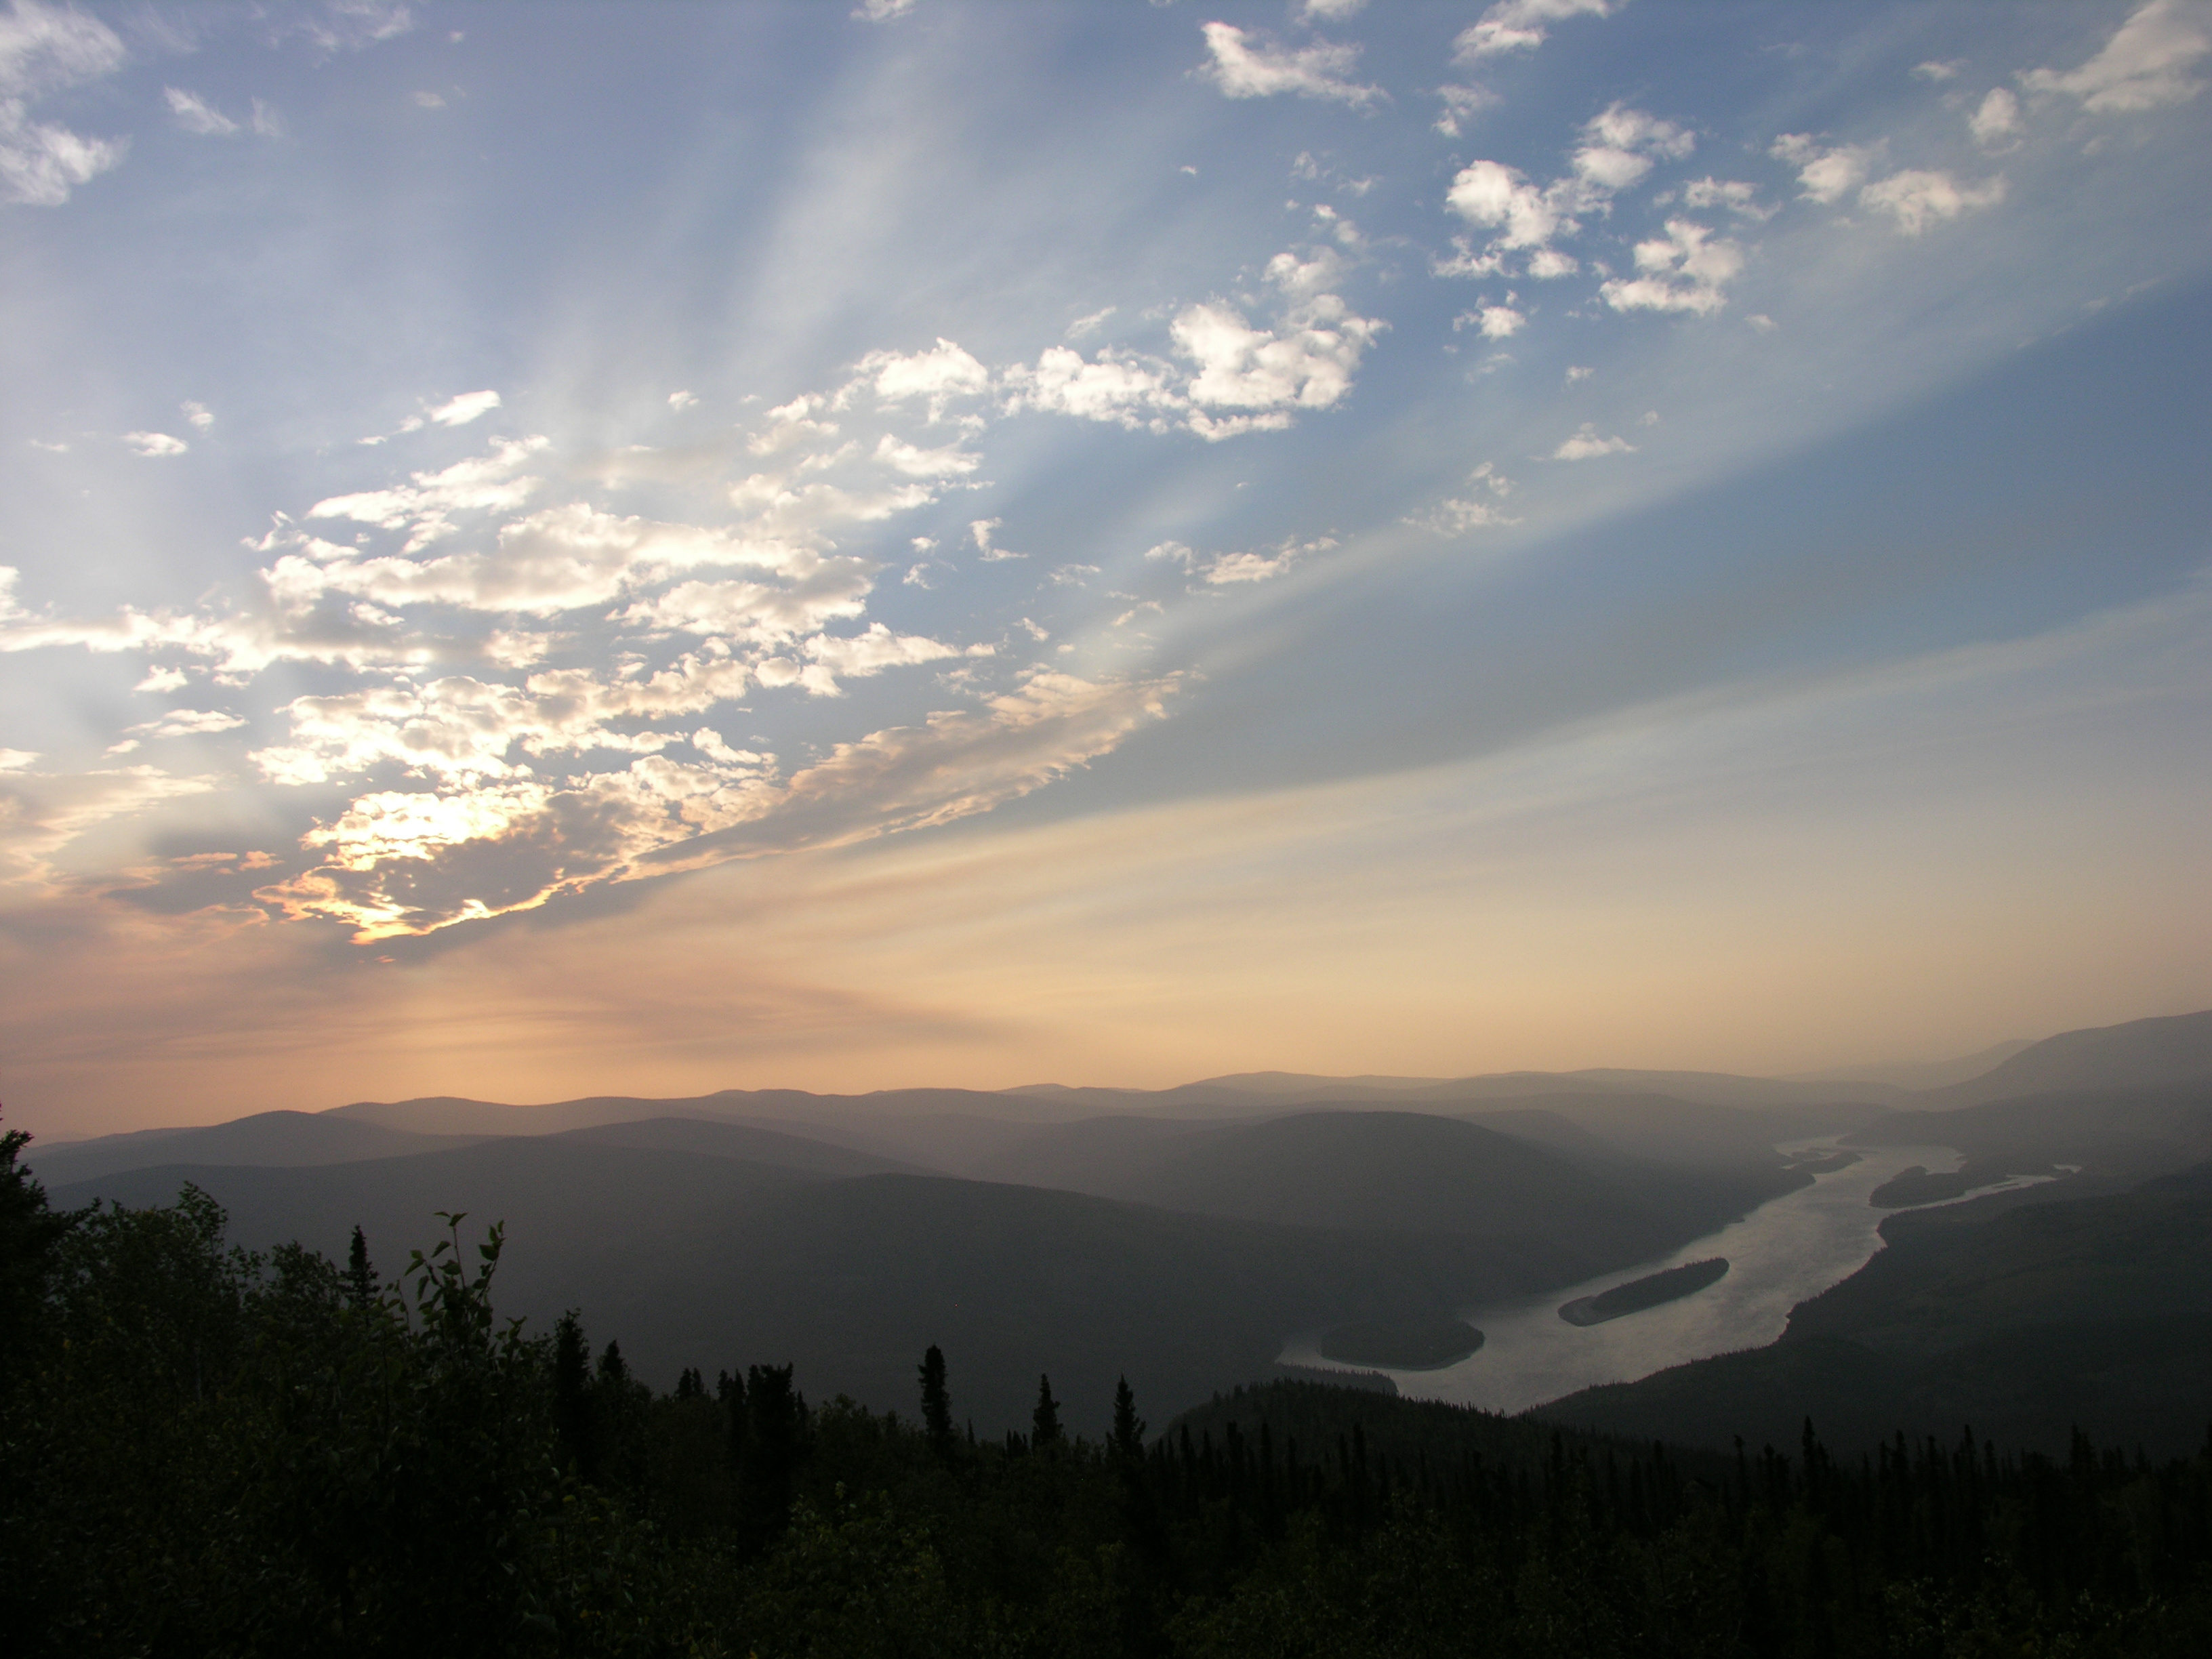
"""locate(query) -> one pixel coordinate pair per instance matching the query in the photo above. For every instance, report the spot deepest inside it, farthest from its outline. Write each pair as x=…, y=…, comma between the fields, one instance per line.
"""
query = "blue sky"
x=977, y=543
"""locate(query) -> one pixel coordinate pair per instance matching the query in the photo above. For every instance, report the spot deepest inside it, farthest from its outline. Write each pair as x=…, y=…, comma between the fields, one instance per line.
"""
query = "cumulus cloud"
x=2148, y=64
x=490, y=483
x=1235, y=569
x=1995, y=122
x=1685, y=269
x=1824, y=173
x=201, y=417
x=155, y=443
x=1619, y=147
x=1462, y=105
x=1586, y=444
x=1521, y=25
x=1250, y=65
x=940, y=375
x=1733, y=194
x=42, y=50
x=1917, y=199
x=1306, y=362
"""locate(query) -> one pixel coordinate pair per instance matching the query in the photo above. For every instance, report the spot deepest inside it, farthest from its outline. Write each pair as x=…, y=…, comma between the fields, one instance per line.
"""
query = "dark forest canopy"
x=212, y=1451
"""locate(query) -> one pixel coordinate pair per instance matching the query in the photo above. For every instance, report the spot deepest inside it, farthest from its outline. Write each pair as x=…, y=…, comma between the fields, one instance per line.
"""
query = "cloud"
x=460, y=410
x=1935, y=69
x=940, y=374
x=1252, y=66
x=681, y=401
x=1996, y=125
x=45, y=49
x=1333, y=11
x=1495, y=322
x=194, y=114
x=2145, y=65
x=1621, y=145
x=1682, y=271
x=483, y=483
x=1823, y=175
x=1918, y=199
x=41, y=813
x=1586, y=444
x=1733, y=194
x=870, y=652
x=1306, y=362
x=1460, y=105
x=1493, y=195
x=178, y=723
x=1121, y=386
x=155, y=443
x=399, y=862
x=882, y=11
x=1233, y=569
x=981, y=530
x=201, y=417
x=1090, y=324
x=1520, y=26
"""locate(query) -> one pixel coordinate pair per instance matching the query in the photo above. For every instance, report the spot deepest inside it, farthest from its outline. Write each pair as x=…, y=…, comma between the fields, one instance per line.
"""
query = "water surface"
x=1788, y=1249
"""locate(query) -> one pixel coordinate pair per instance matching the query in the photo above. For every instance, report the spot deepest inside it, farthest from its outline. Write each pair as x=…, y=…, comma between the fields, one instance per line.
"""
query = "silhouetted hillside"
x=2141, y=1054
x=2023, y=1323
x=266, y=1138
x=708, y=1261
x=2125, y=1133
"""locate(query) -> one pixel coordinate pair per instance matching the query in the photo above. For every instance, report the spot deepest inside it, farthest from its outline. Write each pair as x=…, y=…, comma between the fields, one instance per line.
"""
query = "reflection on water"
x=1788, y=1250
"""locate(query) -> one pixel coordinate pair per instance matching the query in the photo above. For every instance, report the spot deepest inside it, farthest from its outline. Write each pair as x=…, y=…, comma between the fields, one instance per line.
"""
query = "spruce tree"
x=1044, y=1421
x=360, y=1272
x=1128, y=1442
x=572, y=1399
x=936, y=1402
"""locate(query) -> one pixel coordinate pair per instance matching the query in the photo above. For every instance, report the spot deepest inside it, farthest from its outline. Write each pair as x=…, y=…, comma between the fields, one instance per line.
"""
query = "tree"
x=29, y=1231
x=1044, y=1421
x=360, y=1272
x=571, y=1397
x=1128, y=1441
x=936, y=1402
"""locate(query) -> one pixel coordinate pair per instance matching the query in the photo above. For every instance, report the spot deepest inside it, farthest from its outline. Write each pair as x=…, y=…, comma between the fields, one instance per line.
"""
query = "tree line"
x=212, y=1451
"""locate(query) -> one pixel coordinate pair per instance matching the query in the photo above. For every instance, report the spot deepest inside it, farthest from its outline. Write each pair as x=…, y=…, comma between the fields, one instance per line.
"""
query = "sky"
x=560, y=549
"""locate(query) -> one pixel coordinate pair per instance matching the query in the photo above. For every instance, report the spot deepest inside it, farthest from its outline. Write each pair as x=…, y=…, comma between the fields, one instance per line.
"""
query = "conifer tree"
x=360, y=1272
x=936, y=1401
x=1129, y=1428
x=572, y=1401
x=1044, y=1421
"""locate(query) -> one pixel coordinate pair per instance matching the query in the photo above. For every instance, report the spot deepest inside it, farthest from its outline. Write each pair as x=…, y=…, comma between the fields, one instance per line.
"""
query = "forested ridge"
x=209, y=1451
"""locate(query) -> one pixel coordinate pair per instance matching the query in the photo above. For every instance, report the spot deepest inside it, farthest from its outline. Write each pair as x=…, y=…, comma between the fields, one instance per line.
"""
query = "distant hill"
x=2120, y=1132
x=698, y=1260
x=265, y=1138
x=1921, y=1074
x=2022, y=1322
x=2141, y=1054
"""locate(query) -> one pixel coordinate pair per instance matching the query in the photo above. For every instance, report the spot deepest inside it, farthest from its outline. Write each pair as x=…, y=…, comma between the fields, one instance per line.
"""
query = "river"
x=1788, y=1249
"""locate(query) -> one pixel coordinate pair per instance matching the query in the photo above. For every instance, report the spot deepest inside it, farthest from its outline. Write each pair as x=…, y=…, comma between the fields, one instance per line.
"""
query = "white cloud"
x=882, y=11
x=1462, y=105
x=1683, y=270
x=1621, y=145
x=162, y=679
x=155, y=443
x=1252, y=66
x=1996, y=124
x=1520, y=26
x=493, y=483
x=680, y=401
x=1090, y=324
x=1918, y=199
x=1121, y=386
x=1733, y=194
x=951, y=461
x=1307, y=363
x=1823, y=174
x=178, y=723
x=981, y=530
x=460, y=410
x=1586, y=444
x=201, y=417
x=1936, y=70
x=194, y=114
x=1578, y=372
x=2145, y=65
x=1333, y=11
x=1493, y=195
x=940, y=374
x=870, y=652
x=1499, y=322
x=398, y=862
x=45, y=49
